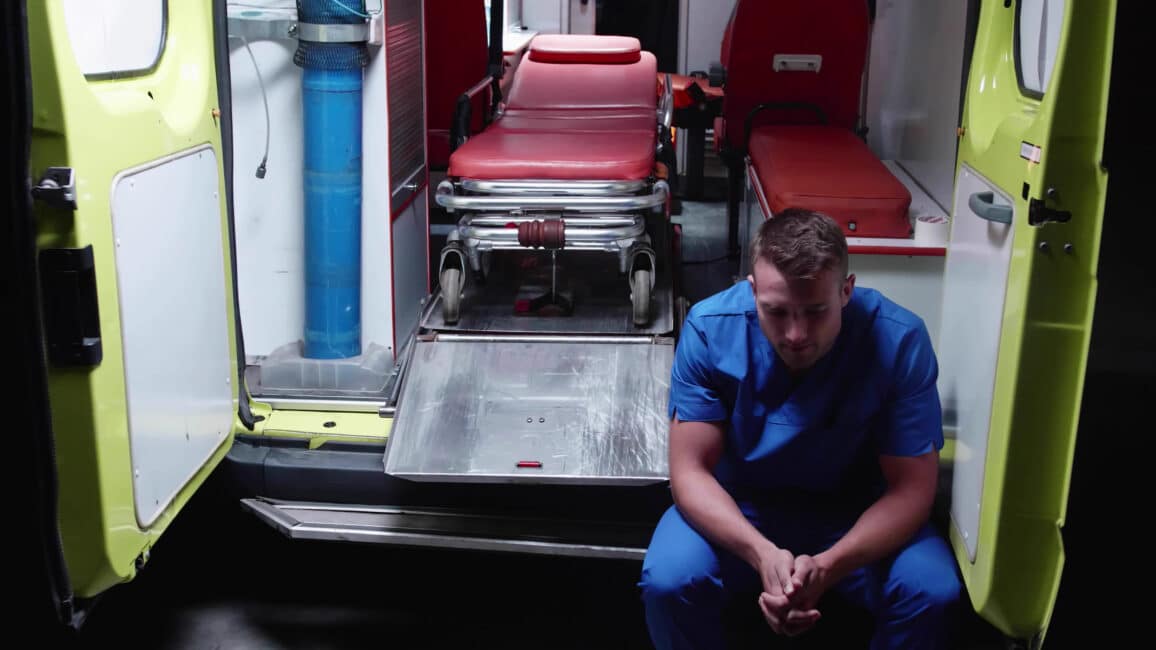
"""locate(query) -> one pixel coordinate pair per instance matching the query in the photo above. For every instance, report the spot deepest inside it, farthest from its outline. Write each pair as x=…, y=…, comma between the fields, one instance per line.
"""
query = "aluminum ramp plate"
x=567, y=410
x=452, y=529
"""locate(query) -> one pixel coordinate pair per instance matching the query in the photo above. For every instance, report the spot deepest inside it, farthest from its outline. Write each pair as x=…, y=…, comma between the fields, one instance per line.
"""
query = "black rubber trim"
x=350, y=473
x=225, y=99
x=463, y=112
x=968, y=52
x=46, y=599
x=497, y=50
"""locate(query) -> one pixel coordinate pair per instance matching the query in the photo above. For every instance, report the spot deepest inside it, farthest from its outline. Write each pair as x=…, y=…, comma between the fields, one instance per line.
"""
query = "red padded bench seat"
x=579, y=108
x=830, y=170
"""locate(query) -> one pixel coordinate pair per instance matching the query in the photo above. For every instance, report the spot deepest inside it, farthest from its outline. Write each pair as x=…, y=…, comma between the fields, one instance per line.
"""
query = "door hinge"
x=57, y=188
x=1039, y=213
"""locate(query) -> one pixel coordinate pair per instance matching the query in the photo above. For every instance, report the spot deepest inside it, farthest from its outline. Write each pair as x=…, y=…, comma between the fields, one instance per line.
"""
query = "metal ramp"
x=533, y=409
x=506, y=397
x=448, y=529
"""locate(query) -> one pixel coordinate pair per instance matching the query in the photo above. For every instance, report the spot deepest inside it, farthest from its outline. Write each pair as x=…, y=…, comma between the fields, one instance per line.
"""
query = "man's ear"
x=848, y=288
x=751, y=279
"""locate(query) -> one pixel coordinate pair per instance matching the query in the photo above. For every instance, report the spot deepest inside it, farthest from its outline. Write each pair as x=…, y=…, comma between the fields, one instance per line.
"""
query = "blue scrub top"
x=874, y=393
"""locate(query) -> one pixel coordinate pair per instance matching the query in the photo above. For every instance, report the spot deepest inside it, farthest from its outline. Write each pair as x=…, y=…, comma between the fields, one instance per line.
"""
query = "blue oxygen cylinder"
x=331, y=96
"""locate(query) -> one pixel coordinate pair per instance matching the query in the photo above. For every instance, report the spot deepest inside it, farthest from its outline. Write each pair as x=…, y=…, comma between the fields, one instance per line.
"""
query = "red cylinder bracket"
x=542, y=234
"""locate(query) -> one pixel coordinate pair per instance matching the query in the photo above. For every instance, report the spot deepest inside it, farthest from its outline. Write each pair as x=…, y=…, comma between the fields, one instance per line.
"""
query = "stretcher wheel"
x=640, y=296
x=451, y=283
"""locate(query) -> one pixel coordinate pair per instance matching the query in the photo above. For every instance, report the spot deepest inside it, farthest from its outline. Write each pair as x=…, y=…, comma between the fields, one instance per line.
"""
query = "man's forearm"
x=713, y=512
x=880, y=531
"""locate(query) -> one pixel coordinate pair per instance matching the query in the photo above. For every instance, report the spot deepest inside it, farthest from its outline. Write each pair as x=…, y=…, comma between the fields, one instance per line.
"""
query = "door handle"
x=984, y=207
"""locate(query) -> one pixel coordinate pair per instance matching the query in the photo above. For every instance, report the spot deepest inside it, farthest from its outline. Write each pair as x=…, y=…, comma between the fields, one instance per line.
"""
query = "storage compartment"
x=330, y=229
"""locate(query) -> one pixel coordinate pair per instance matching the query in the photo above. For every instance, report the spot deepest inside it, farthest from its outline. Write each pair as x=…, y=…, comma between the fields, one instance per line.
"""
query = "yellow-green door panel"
x=1043, y=152
x=137, y=433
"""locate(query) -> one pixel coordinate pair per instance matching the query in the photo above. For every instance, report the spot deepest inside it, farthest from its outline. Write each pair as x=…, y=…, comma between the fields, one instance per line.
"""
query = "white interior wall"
x=913, y=282
x=544, y=16
x=512, y=11
x=410, y=232
x=269, y=212
x=582, y=17
x=377, y=321
x=701, y=26
x=914, y=78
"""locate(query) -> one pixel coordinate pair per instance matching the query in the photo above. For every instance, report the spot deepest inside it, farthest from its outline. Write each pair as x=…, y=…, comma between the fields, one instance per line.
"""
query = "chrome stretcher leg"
x=553, y=302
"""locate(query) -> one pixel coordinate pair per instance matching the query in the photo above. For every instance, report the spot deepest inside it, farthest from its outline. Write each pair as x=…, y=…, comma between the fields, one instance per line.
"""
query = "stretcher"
x=568, y=163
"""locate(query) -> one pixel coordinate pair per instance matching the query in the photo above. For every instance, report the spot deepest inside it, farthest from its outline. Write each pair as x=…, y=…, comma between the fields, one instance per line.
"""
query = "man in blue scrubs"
x=804, y=440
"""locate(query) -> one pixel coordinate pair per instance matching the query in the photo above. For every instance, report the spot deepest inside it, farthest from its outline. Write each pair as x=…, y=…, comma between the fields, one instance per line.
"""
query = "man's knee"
x=683, y=599
x=934, y=590
x=672, y=582
x=679, y=564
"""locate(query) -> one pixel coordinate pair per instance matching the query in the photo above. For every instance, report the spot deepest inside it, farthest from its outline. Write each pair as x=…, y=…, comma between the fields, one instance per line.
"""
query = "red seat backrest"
x=836, y=30
x=456, y=58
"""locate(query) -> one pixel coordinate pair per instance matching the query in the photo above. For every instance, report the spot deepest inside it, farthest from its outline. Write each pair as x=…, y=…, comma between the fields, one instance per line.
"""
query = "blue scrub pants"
x=687, y=581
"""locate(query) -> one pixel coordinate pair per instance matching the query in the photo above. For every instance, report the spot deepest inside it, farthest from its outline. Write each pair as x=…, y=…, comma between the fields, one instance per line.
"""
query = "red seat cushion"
x=584, y=48
x=500, y=154
x=829, y=170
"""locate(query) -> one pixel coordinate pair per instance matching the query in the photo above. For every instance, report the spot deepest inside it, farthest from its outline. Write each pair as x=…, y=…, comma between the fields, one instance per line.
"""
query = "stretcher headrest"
x=585, y=48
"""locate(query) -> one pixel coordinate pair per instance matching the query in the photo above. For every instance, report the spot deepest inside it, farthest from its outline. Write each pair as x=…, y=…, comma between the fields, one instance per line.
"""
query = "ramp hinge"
x=57, y=188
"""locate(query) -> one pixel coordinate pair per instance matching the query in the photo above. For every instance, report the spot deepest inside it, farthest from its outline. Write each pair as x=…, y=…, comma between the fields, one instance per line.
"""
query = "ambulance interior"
x=414, y=257
x=911, y=100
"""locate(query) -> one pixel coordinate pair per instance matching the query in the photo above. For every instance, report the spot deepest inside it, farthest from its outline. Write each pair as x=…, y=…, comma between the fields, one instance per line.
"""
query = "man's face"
x=801, y=318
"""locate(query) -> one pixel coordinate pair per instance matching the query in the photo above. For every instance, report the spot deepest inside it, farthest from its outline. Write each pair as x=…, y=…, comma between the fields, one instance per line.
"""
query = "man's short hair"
x=801, y=244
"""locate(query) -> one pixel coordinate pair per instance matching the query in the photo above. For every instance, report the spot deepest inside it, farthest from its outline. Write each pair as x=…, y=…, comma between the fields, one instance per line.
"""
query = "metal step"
x=451, y=529
x=577, y=410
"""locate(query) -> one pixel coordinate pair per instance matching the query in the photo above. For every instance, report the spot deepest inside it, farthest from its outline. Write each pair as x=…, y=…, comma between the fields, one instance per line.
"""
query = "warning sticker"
x=1031, y=152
